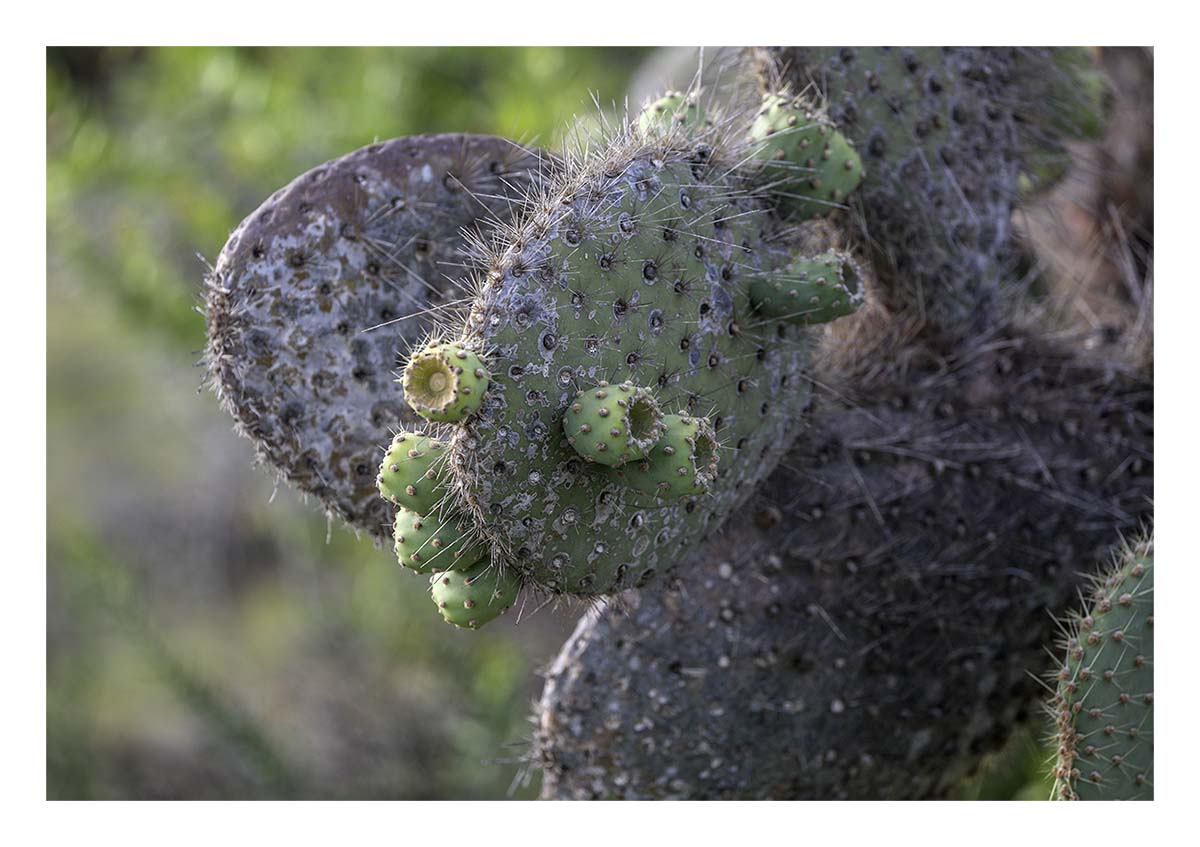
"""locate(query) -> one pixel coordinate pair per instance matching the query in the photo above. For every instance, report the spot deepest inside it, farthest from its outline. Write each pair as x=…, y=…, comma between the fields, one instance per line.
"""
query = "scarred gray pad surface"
x=321, y=290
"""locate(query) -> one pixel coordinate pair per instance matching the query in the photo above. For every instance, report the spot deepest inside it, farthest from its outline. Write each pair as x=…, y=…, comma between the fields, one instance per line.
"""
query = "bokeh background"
x=209, y=636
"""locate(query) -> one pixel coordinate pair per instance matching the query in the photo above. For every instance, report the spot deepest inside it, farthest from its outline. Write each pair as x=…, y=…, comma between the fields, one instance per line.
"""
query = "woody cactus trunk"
x=754, y=375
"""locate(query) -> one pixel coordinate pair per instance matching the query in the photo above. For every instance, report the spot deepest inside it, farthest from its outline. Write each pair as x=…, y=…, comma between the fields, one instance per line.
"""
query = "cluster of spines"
x=427, y=543
x=1103, y=706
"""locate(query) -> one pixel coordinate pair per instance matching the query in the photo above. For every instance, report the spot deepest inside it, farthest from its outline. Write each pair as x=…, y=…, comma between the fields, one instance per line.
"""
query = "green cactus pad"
x=427, y=544
x=1104, y=706
x=412, y=473
x=445, y=382
x=810, y=291
x=683, y=462
x=674, y=109
x=635, y=266
x=613, y=424
x=472, y=597
x=809, y=167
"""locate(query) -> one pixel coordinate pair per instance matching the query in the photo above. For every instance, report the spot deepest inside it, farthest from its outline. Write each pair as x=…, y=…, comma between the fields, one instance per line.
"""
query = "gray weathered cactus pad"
x=305, y=304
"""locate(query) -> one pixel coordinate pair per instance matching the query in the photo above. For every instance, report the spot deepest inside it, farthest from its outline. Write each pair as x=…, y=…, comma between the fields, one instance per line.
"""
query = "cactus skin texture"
x=682, y=464
x=942, y=136
x=612, y=424
x=303, y=304
x=864, y=627
x=445, y=382
x=811, y=291
x=413, y=472
x=474, y=596
x=810, y=166
x=427, y=543
x=1104, y=706
x=634, y=267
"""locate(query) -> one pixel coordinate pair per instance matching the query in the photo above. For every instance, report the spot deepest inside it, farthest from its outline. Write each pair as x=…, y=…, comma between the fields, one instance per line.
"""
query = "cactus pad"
x=612, y=424
x=445, y=382
x=1104, y=707
x=428, y=544
x=412, y=473
x=683, y=462
x=472, y=597
x=635, y=266
x=303, y=304
x=810, y=291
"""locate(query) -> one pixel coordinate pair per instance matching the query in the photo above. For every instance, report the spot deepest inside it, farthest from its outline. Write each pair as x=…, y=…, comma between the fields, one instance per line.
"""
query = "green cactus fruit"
x=612, y=424
x=1104, y=705
x=412, y=474
x=634, y=266
x=445, y=382
x=809, y=167
x=810, y=291
x=470, y=598
x=674, y=109
x=428, y=544
x=683, y=463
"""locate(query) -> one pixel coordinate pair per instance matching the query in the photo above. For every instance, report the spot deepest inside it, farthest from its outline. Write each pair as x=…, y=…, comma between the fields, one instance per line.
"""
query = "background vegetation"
x=208, y=636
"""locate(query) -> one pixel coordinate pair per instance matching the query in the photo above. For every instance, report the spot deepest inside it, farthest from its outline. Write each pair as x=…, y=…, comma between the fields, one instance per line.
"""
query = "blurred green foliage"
x=209, y=637
x=204, y=637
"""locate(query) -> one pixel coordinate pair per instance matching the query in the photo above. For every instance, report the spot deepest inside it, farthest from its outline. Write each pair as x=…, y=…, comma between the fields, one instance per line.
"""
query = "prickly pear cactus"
x=674, y=109
x=1104, y=706
x=630, y=277
x=472, y=597
x=944, y=134
x=445, y=382
x=683, y=463
x=812, y=167
x=428, y=543
x=320, y=293
x=811, y=291
x=413, y=474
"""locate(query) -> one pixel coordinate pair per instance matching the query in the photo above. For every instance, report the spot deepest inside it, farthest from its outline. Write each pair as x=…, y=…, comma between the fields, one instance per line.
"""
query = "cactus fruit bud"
x=613, y=424
x=426, y=544
x=810, y=291
x=472, y=597
x=1104, y=706
x=411, y=473
x=808, y=164
x=445, y=382
x=673, y=109
x=683, y=463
